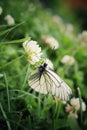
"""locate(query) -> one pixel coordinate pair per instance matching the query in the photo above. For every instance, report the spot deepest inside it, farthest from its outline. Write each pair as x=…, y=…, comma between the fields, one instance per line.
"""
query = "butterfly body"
x=44, y=80
x=42, y=68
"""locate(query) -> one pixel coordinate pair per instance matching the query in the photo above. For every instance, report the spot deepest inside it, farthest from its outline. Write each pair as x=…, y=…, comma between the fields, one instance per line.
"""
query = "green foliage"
x=20, y=107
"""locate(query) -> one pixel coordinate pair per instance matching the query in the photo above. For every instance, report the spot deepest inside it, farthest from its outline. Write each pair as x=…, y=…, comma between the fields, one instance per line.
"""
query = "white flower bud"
x=9, y=19
x=68, y=60
x=51, y=41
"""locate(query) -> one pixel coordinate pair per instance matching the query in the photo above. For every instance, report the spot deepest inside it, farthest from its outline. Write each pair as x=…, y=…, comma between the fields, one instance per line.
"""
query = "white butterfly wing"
x=58, y=87
x=40, y=84
x=49, y=82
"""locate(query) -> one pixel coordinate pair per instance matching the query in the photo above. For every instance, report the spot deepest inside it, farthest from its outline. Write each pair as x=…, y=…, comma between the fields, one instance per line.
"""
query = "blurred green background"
x=20, y=107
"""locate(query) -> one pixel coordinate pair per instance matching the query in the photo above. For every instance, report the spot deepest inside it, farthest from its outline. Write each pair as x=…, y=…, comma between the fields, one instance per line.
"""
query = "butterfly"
x=44, y=80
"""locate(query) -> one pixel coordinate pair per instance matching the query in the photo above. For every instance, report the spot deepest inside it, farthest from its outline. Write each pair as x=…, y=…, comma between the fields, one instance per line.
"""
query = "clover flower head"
x=74, y=107
x=75, y=102
x=68, y=60
x=82, y=38
x=51, y=41
x=9, y=19
x=33, y=51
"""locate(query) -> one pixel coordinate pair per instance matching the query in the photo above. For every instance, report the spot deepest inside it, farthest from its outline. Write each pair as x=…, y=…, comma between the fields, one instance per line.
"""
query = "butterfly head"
x=42, y=67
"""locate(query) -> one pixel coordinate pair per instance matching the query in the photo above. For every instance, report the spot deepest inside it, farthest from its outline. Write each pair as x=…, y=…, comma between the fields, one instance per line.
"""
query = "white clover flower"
x=82, y=35
x=9, y=19
x=75, y=102
x=1, y=10
x=71, y=111
x=51, y=41
x=82, y=38
x=68, y=60
x=74, y=107
x=50, y=64
x=33, y=51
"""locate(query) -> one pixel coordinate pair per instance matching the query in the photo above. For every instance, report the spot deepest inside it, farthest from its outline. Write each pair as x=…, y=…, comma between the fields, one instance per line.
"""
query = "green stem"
x=11, y=62
x=25, y=78
x=8, y=98
x=10, y=29
x=24, y=92
x=39, y=106
x=58, y=109
x=4, y=115
x=54, y=124
x=14, y=41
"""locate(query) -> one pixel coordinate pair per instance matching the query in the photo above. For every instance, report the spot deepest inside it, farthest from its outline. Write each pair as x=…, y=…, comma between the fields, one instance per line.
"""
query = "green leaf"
x=73, y=124
x=61, y=123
